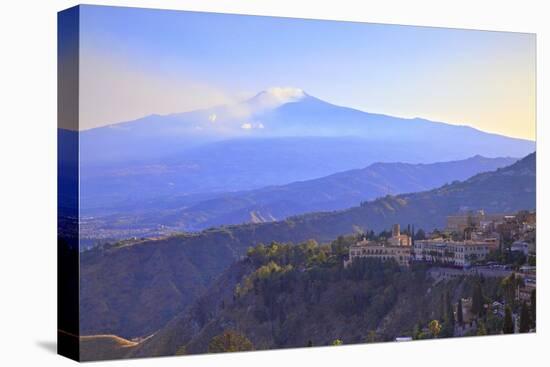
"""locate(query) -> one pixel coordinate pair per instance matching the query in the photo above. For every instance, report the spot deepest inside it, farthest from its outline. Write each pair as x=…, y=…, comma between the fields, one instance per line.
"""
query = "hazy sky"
x=136, y=62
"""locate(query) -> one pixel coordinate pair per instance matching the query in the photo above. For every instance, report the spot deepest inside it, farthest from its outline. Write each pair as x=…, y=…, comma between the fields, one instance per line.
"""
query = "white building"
x=455, y=253
x=365, y=249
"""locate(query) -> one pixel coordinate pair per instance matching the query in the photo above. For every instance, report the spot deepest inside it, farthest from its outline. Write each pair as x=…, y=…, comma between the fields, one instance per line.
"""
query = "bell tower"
x=396, y=231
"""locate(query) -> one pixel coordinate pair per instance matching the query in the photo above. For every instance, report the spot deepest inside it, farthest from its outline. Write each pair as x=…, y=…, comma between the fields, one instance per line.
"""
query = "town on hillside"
x=472, y=244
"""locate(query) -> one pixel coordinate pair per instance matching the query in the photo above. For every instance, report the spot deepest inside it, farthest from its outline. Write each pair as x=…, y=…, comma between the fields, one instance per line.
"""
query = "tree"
x=459, y=315
x=508, y=327
x=420, y=234
x=340, y=247
x=524, y=319
x=372, y=337
x=181, y=351
x=442, y=307
x=481, y=330
x=509, y=286
x=450, y=316
x=447, y=316
x=257, y=254
x=229, y=341
x=493, y=324
x=447, y=330
x=435, y=327
x=417, y=331
x=477, y=300
x=534, y=308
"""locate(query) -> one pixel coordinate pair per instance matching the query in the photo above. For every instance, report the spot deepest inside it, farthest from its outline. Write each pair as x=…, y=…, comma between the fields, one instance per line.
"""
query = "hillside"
x=134, y=289
x=338, y=191
x=283, y=296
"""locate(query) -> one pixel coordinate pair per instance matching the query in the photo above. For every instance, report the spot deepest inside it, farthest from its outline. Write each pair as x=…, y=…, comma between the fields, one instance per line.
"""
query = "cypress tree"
x=450, y=317
x=477, y=300
x=508, y=327
x=417, y=331
x=525, y=319
x=442, y=307
x=459, y=315
x=510, y=285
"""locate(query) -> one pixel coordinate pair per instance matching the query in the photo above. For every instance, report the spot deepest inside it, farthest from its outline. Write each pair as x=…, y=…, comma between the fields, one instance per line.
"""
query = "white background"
x=28, y=182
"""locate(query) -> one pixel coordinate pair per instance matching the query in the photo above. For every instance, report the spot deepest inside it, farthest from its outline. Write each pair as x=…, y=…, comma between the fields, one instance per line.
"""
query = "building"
x=398, y=239
x=479, y=219
x=529, y=276
x=366, y=249
x=439, y=251
x=525, y=290
x=454, y=253
x=494, y=238
x=398, y=248
x=528, y=270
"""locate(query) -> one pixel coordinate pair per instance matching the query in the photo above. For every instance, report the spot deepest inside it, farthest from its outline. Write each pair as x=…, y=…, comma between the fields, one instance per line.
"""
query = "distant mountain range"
x=284, y=112
x=338, y=191
x=134, y=288
x=280, y=136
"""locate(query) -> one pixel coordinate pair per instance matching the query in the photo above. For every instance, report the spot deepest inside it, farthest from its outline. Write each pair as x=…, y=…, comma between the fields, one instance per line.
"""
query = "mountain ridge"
x=337, y=191
x=279, y=116
x=167, y=275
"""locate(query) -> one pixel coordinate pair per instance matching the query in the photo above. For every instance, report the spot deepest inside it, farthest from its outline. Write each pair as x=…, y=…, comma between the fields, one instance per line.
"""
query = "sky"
x=137, y=62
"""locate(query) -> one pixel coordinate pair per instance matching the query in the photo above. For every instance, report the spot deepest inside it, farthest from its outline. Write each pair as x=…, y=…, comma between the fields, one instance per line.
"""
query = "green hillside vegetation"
x=133, y=290
x=282, y=296
x=229, y=341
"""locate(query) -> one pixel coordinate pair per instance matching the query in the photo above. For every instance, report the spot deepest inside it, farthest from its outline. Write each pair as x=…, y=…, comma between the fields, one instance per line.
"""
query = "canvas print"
x=241, y=183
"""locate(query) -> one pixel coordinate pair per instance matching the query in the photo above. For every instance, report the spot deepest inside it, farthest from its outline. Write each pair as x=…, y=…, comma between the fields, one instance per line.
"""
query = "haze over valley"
x=236, y=163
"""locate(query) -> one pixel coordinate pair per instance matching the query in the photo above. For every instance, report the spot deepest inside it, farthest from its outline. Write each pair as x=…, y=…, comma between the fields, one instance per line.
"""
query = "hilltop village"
x=468, y=240
x=477, y=244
